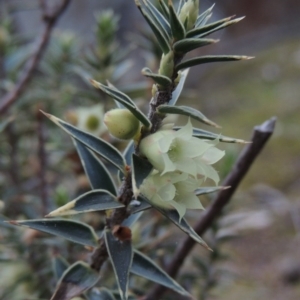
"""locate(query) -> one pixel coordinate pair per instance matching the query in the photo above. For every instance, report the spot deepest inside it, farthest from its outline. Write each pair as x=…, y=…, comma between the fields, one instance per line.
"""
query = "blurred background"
x=256, y=241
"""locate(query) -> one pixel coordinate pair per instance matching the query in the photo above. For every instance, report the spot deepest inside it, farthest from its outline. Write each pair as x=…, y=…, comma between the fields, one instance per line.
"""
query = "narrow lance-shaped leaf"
x=118, y=103
x=180, y=5
x=209, y=190
x=159, y=79
x=129, y=221
x=186, y=111
x=176, y=93
x=77, y=279
x=186, y=45
x=206, y=28
x=95, y=200
x=98, y=145
x=139, y=205
x=127, y=155
x=224, y=25
x=159, y=18
x=203, y=134
x=209, y=59
x=97, y=173
x=76, y=232
x=100, y=294
x=164, y=8
x=145, y=267
x=120, y=253
x=60, y=265
x=177, y=27
x=181, y=223
x=163, y=43
x=141, y=168
x=203, y=16
x=125, y=100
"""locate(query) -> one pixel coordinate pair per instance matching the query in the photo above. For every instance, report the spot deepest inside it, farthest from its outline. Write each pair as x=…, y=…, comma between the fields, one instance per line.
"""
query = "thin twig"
x=260, y=136
x=49, y=20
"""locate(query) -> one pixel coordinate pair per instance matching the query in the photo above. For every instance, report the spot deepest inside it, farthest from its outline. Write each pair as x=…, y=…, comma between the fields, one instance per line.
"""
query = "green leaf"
x=180, y=5
x=177, y=27
x=120, y=253
x=159, y=79
x=176, y=93
x=145, y=267
x=100, y=294
x=186, y=111
x=181, y=223
x=203, y=134
x=209, y=190
x=202, y=18
x=161, y=22
x=76, y=279
x=138, y=206
x=97, y=173
x=129, y=221
x=127, y=155
x=76, y=232
x=141, y=168
x=118, y=104
x=209, y=59
x=164, y=8
x=59, y=265
x=95, y=200
x=199, y=30
x=162, y=41
x=186, y=45
x=97, y=145
x=125, y=100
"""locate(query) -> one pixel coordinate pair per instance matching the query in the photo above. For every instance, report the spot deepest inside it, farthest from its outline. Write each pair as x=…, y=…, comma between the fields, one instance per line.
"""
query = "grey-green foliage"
x=176, y=38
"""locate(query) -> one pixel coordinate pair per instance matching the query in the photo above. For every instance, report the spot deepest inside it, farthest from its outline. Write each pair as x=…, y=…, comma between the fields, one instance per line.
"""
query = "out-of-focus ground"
x=265, y=258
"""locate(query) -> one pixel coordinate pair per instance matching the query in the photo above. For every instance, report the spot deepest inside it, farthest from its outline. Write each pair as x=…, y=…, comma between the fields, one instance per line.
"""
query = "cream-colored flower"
x=169, y=151
x=174, y=190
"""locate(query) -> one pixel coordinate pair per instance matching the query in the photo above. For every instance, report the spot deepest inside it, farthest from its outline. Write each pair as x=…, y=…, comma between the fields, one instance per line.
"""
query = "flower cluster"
x=181, y=164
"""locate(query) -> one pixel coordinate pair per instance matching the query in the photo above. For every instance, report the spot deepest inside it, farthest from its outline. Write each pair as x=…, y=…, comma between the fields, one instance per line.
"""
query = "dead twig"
x=260, y=136
x=49, y=20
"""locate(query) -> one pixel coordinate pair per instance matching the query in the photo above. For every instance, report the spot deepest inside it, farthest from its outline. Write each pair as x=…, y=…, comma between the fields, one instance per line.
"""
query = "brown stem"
x=260, y=136
x=49, y=20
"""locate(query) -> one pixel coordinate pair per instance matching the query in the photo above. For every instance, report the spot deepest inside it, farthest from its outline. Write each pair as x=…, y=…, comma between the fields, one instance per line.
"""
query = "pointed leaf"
x=97, y=173
x=120, y=253
x=163, y=43
x=60, y=265
x=164, y=8
x=118, y=104
x=199, y=30
x=76, y=232
x=186, y=45
x=97, y=145
x=159, y=79
x=141, y=168
x=95, y=200
x=181, y=223
x=202, y=17
x=176, y=93
x=203, y=134
x=214, y=29
x=186, y=111
x=145, y=267
x=138, y=206
x=160, y=20
x=100, y=294
x=209, y=190
x=127, y=155
x=209, y=59
x=180, y=5
x=77, y=278
x=177, y=27
x=125, y=100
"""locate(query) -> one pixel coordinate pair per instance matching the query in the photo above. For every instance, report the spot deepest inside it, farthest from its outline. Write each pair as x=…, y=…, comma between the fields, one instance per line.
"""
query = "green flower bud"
x=189, y=11
x=166, y=67
x=121, y=123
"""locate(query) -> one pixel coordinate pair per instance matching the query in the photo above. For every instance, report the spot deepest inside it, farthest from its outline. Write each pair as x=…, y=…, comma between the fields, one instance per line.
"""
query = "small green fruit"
x=166, y=67
x=121, y=123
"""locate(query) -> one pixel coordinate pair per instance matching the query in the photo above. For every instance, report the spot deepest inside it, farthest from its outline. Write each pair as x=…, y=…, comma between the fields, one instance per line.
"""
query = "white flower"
x=174, y=190
x=169, y=151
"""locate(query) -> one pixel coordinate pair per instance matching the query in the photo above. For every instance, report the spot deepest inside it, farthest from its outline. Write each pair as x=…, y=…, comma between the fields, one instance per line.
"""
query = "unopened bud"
x=189, y=13
x=121, y=123
x=166, y=67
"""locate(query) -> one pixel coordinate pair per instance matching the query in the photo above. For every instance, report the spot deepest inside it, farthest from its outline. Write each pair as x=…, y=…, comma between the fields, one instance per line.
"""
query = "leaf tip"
x=13, y=222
